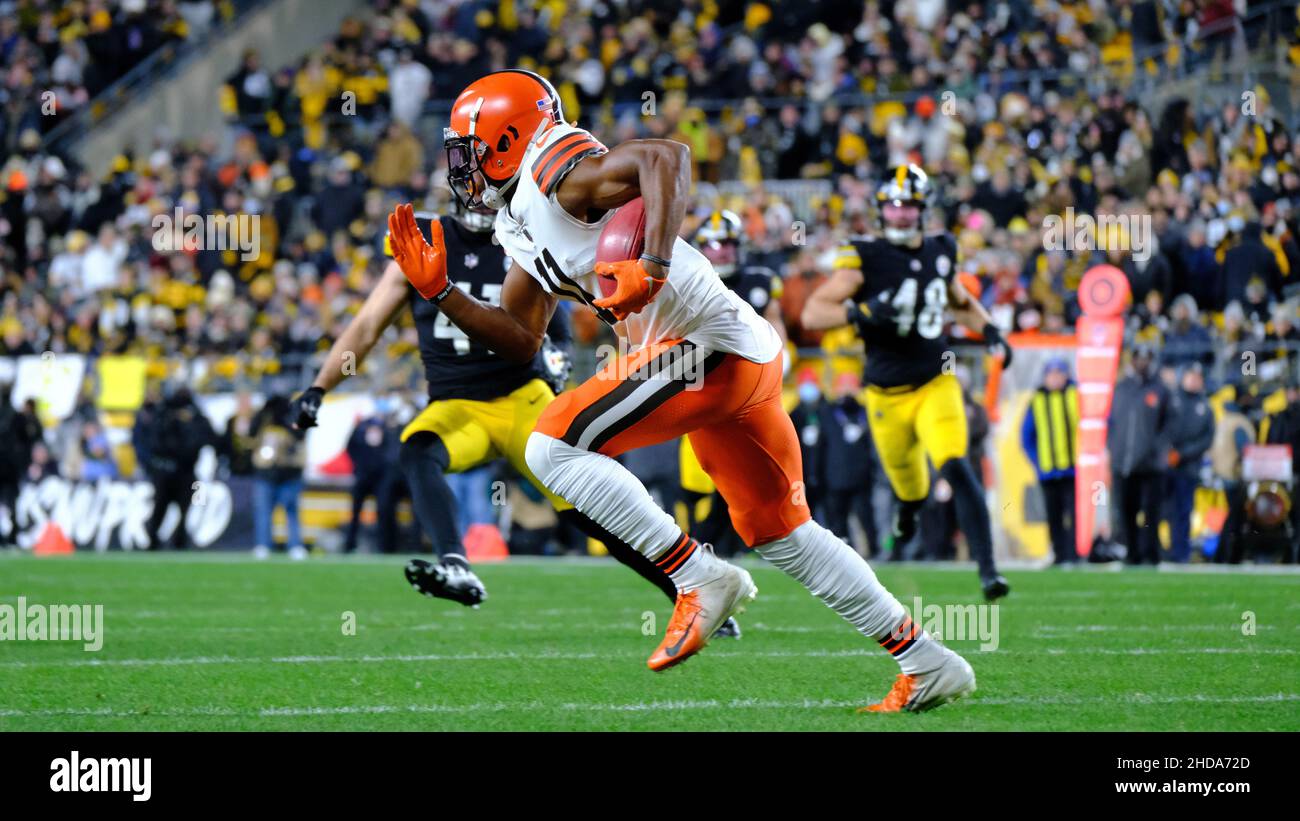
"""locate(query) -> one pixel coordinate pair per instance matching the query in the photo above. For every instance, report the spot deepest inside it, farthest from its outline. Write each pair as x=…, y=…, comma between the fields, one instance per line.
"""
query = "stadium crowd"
x=1021, y=111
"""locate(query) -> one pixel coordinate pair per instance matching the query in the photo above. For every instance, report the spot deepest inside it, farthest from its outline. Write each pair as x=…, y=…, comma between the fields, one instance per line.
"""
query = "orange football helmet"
x=492, y=123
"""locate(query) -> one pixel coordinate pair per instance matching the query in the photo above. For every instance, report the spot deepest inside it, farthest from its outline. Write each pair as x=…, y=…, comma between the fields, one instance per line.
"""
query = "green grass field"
x=223, y=643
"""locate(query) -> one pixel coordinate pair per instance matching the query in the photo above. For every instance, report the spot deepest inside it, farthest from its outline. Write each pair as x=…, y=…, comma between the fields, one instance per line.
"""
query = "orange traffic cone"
x=52, y=542
x=483, y=543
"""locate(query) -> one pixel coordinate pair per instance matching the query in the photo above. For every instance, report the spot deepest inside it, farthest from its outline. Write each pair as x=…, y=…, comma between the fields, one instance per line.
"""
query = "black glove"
x=994, y=340
x=304, y=409
x=876, y=312
x=556, y=364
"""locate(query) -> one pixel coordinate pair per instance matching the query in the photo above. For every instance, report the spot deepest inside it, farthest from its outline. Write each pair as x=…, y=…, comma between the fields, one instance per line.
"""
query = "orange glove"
x=424, y=264
x=1174, y=458
x=636, y=287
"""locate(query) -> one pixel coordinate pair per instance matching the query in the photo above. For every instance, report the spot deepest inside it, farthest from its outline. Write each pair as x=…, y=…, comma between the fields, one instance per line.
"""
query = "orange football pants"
x=730, y=408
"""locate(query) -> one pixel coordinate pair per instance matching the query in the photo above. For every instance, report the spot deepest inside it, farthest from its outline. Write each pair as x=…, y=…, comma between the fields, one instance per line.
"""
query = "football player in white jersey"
x=703, y=364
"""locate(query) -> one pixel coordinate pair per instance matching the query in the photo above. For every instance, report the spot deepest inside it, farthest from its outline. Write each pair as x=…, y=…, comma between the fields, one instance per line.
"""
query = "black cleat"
x=450, y=578
x=729, y=629
x=995, y=588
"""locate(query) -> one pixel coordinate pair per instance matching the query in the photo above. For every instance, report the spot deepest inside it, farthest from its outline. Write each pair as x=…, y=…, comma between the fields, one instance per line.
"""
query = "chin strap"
x=901, y=237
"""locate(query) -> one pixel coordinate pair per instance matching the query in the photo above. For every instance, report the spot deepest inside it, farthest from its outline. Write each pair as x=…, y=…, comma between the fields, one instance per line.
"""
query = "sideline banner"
x=113, y=515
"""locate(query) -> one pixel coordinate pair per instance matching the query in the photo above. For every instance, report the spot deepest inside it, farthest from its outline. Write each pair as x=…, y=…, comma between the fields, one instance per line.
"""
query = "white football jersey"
x=559, y=251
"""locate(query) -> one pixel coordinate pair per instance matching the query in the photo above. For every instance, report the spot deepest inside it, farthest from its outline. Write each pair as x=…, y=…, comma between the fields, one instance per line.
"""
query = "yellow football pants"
x=909, y=425
x=476, y=431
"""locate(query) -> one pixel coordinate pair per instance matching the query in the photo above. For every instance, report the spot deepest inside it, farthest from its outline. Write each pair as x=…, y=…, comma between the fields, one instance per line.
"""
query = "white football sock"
x=842, y=579
x=700, y=565
x=603, y=491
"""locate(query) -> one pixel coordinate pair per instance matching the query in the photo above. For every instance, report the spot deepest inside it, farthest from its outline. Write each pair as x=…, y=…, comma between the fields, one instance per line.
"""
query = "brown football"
x=623, y=237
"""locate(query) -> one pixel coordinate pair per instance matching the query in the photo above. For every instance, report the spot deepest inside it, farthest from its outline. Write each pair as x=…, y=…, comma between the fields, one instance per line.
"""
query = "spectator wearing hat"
x=175, y=432
x=1186, y=341
x=1190, y=433
x=1137, y=439
x=1049, y=436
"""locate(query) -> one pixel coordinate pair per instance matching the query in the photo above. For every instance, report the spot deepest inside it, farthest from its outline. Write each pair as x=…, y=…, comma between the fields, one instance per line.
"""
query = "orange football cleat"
x=951, y=680
x=699, y=613
x=897, y=698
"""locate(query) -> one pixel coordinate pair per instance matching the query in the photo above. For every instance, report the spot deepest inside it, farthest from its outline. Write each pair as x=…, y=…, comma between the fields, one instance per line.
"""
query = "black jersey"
x=912, y=348
x=455, y=366
x=756, y=284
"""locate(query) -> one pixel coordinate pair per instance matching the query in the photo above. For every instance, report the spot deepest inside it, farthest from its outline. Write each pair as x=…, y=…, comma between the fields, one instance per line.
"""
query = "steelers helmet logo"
x=758, y=297
x=916, y=265
x=943, y=265
x=471, y=260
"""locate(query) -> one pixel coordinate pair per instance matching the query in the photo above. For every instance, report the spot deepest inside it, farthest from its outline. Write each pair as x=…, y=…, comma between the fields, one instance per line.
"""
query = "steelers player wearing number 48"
x=481, y=406
x=899, y=293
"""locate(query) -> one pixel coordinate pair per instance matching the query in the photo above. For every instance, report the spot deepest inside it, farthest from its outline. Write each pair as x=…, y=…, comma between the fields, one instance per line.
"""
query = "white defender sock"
x=842, y=579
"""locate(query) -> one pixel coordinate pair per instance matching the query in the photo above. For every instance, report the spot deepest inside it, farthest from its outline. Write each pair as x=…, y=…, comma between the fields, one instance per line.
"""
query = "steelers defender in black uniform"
x=481, y=407
x=899, y=293
x=721, y=238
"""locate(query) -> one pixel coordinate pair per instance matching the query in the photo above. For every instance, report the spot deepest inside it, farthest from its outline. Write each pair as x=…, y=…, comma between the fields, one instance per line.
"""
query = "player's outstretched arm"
x=353, y=345
x=969, y=313
x=363, y=332
x=825, y=307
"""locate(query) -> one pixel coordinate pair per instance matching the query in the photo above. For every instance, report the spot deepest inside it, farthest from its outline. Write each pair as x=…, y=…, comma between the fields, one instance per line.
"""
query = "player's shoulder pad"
x=554, y=162
x=945, y=243
x=775, y=285
x=423, y=219
x=848, y=256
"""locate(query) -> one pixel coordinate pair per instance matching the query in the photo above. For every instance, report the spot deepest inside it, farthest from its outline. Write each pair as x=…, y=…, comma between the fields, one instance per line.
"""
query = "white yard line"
x=865, y=652
x=684, y=705
x=556, y=562
x=1128, y=628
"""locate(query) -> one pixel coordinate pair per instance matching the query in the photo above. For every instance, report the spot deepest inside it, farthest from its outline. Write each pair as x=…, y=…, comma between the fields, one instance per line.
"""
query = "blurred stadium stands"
x=1183, y=112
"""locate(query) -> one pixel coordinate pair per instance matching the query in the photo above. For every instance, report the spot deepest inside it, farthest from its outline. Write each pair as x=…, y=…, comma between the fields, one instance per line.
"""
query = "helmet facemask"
x=900, y=221
x=465, y=169
x=719, y=239
x=723, y=254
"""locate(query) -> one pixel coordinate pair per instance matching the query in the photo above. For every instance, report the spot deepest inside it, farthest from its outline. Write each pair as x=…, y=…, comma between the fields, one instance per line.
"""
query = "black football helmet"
x=905, y=185
x=719, y=238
